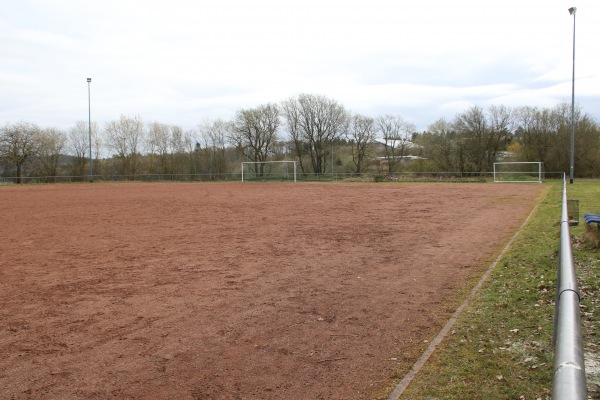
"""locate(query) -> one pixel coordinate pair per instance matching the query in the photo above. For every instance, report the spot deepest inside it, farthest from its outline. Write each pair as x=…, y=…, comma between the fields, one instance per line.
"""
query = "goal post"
x=269, y=170
x=516, y=172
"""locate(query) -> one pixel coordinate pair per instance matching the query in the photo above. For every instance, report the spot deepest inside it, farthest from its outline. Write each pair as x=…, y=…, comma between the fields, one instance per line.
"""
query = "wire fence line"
x=237, y=176
x=569, y=380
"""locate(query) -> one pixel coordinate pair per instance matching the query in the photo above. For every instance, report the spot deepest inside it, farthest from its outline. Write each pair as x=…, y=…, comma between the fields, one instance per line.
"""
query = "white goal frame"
x=272, y=162
x=531, y=171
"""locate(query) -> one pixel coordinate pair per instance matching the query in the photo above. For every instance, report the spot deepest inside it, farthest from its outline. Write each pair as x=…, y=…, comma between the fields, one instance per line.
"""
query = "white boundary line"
x=401, y=387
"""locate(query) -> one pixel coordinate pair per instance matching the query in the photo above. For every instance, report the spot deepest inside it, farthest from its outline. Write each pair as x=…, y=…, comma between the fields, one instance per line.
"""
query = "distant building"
x=395, y=143
x=504, y=155
x=399, y=159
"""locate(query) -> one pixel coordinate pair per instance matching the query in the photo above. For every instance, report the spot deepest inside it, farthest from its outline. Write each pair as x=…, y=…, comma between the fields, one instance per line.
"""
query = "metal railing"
x=569, y=370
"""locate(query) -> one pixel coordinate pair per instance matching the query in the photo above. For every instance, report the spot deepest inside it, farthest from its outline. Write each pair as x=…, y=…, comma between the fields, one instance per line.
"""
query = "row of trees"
x=310, y=129
x=477, y=137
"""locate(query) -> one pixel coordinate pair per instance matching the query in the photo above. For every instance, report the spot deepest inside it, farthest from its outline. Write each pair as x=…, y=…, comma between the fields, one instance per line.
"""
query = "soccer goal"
x=519, y=172
x=269, y=170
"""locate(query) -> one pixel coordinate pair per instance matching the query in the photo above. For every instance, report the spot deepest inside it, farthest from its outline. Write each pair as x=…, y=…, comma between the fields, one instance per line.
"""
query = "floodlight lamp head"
x=89, y=80
x=572, y=10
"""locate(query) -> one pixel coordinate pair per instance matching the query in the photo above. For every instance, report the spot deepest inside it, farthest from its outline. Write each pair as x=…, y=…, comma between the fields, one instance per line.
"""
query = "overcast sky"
x=182, y=61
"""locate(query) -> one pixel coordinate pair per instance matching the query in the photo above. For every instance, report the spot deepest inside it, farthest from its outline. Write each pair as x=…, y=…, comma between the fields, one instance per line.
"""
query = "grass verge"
x=501, y=346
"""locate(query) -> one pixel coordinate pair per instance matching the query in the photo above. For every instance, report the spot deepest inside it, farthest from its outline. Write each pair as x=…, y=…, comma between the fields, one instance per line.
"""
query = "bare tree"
x=78, y=145
x=483, y=135
x=500, y=131
x=125, y=138
x=214, y=135
x=18, y=144
x=314, y=123
x=254, y=133
x=293, y=115
x=397, y=135
x=182, y=145
x=166, y=143
x=190, y=154
x=361, y=133
x=52, y=145
x=442, y=147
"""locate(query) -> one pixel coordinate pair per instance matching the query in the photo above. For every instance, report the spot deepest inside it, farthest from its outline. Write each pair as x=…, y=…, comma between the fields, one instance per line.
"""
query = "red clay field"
x=235, y=291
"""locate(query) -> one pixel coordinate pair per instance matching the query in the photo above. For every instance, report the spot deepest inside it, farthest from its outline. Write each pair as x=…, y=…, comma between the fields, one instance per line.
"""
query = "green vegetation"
x=501, y=347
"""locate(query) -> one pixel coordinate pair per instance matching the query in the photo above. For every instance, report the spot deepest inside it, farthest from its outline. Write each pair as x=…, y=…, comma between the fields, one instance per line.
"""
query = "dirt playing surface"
x=234, y=291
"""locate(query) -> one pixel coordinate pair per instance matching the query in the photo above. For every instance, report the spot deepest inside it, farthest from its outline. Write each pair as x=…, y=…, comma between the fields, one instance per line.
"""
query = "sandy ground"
x=234, y=291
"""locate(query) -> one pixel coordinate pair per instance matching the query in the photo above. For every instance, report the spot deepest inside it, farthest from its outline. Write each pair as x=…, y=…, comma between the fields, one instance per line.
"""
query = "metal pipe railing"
x=569, y=369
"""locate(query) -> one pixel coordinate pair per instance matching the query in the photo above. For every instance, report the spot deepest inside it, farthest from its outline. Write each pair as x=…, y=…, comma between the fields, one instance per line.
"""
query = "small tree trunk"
x=19, y=172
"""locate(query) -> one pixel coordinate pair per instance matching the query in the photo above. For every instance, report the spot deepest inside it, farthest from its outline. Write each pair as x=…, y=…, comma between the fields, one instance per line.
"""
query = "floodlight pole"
x=572, y=11
x=89, y=80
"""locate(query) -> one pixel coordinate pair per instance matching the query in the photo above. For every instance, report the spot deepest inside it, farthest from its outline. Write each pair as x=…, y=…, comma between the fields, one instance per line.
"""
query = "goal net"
x=269, y=170
x=519, y=172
